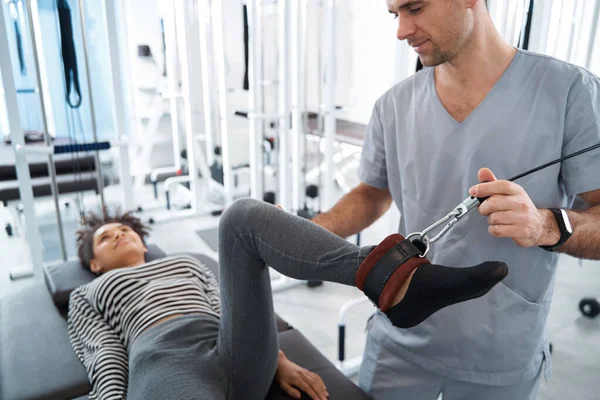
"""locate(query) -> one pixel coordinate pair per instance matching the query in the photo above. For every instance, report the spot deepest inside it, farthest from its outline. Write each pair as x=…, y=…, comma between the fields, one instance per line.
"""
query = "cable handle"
x=470, y=203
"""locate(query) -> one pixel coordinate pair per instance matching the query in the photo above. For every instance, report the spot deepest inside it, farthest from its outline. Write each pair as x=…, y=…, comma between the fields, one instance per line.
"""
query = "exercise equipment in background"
x=26, y=171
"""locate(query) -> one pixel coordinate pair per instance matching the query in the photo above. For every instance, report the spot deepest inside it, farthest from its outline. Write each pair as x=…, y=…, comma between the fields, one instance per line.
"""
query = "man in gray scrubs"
x=477, y=103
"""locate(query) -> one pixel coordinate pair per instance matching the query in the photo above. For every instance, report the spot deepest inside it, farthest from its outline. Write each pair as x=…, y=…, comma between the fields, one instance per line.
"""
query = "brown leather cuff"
x=386, y=269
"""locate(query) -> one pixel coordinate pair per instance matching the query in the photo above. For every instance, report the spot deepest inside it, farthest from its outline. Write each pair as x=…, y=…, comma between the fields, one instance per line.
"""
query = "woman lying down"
x=166, y=330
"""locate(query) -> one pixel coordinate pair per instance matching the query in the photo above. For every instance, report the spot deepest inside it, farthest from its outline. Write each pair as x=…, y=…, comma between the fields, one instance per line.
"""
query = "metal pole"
x=136, y=129
x=219, y=54
x=181, y=26
x=113, y=22
x=255, y=74
x=284, y=103
x=99, y=178
x=36, y=34
x=303, y=86
x=298, y=67
x=594, y=29
x=173, y=94
x=16, y=134
x=171, y=56
x=296, y=111
x=329, y=107
x=204, y=23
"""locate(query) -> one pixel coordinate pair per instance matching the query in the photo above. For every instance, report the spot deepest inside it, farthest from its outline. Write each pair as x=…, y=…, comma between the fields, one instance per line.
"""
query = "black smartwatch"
x=565, y=228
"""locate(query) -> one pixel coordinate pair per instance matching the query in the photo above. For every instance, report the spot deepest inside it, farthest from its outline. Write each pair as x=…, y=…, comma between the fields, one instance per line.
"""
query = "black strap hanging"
x=246, y=55
x=68, y=53
x=527, y=32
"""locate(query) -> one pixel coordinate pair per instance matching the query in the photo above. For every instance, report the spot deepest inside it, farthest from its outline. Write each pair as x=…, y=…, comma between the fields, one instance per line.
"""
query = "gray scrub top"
x=539, y=110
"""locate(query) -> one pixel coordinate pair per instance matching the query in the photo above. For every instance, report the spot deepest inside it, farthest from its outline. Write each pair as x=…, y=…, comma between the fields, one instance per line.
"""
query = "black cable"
x=531, y=171
x=305, y=161
x=72, y=131
x=69, y=55
x=246, y=55
x=527, y=33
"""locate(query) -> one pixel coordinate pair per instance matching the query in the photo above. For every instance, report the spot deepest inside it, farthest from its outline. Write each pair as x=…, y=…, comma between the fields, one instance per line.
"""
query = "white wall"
x=370, y=67
x=371, y=59
x=143, y=27
x=366, y=62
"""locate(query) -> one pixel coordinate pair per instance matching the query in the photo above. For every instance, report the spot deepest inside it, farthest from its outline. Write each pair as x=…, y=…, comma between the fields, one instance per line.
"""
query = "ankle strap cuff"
x=405, y=255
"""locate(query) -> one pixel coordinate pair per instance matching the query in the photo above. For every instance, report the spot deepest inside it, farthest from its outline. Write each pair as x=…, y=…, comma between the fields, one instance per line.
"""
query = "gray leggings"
x=196, y=357
x=252, y=236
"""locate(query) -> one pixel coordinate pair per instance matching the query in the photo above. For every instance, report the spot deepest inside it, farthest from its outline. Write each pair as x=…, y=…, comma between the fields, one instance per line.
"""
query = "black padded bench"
x=37, y=361
x=74, y=173
x=72, y=183
x=63, y=164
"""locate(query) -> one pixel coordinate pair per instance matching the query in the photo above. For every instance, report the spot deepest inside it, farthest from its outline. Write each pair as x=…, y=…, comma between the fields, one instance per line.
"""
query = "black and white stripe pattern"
x=107, y=314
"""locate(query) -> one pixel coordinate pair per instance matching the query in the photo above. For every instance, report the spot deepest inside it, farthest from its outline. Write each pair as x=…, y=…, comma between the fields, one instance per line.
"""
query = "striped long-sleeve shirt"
x=107, y=314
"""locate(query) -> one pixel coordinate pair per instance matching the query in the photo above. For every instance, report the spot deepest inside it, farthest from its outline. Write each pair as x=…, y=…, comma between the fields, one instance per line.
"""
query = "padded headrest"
x=63, y=278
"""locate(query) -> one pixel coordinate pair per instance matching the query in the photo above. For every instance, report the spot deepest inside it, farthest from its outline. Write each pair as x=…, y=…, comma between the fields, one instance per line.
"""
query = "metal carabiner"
x=450, y=220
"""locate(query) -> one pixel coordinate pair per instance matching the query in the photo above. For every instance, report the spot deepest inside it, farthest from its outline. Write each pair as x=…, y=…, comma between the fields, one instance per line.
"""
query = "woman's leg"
x=252, y=235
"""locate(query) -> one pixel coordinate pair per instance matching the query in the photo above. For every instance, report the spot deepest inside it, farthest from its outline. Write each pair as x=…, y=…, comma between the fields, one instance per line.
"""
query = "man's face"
x=436, y=29
x=115, y=246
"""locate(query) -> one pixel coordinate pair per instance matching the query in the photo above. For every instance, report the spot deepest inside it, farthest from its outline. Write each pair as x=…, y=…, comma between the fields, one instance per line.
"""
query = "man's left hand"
x=511, y=213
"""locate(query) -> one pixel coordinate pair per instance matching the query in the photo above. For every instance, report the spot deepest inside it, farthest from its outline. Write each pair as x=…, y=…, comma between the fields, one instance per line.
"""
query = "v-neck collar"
x=497, y=87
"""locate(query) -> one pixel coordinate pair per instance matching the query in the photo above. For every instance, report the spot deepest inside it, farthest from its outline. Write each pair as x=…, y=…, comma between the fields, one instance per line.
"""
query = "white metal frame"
x=284, y=108
x=199, y=18
x=114, y=13
x=100, y=178
x=348, y=367
x=256, y=95
x=16, y=133
x=298, y=106
x=219, y=55
x=174, y=96
x=328, y=107
x=46, y=111
x=21, y=151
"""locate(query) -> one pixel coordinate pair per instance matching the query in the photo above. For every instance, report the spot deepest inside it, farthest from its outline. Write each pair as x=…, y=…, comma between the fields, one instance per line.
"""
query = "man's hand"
x=512, y=214
x=291, y=377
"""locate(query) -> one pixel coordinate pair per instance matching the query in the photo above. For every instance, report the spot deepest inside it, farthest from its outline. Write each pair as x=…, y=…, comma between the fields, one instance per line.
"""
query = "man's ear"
x=95, y=267
x=145, y=249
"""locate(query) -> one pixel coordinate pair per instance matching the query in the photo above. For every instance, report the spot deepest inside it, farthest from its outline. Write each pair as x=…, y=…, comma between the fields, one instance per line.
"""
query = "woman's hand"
x=291, y=377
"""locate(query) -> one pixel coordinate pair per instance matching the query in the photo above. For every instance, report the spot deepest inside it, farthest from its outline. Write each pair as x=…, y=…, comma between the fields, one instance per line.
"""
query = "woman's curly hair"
x=92, y=222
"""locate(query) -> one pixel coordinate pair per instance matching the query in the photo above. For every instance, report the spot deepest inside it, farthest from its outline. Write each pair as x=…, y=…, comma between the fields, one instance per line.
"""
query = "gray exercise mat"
x=211, y=237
